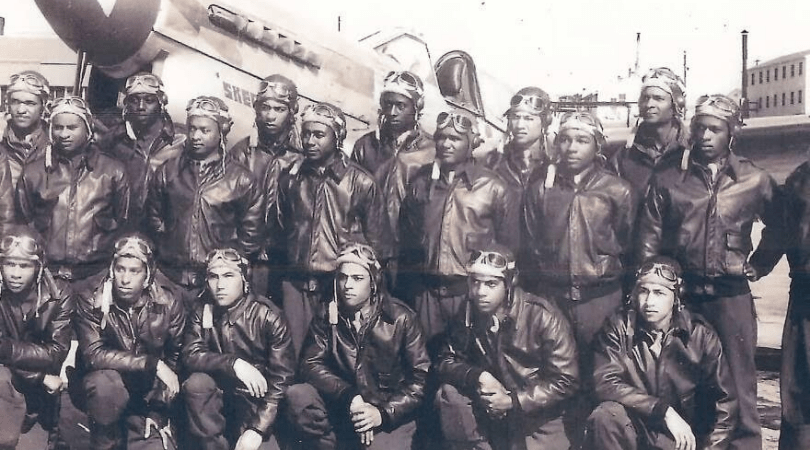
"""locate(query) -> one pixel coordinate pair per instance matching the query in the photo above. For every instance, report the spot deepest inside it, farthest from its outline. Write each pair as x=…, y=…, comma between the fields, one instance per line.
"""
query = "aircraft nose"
x=110, y=31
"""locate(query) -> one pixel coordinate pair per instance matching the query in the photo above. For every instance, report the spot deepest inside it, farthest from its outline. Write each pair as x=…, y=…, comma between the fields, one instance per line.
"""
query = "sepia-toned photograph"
x=412, y=225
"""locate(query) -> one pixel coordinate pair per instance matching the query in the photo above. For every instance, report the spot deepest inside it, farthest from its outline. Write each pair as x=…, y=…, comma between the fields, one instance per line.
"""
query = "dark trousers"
x=438, y=303
x=109, y=402
x=794, y=380
x=586, y=317
x=305, y=297
x=21, y=406
x=216, y=413
x=735, y=321
x=316, y=426
x=611, y=428
x=467, y=427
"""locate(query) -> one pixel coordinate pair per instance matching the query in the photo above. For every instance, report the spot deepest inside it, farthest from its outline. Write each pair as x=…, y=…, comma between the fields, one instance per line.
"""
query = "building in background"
x=778, y=87
x=47, y=55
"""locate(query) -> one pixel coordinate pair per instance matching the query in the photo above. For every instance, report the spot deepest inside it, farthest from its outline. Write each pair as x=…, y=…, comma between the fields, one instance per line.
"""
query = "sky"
x=563, y=46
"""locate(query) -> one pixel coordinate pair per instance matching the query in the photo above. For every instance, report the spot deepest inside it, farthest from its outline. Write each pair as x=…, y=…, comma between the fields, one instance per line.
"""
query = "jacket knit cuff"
x=659, y=410
x=515, y=402
x=6, y=349
x=471, y=380
x=347, y=395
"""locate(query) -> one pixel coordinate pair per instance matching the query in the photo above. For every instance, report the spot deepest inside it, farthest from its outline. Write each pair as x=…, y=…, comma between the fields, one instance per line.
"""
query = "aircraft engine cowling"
x=110, y=33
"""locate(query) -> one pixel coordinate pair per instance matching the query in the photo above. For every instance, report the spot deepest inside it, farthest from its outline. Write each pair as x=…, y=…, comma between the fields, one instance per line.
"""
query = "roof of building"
x=784, y=58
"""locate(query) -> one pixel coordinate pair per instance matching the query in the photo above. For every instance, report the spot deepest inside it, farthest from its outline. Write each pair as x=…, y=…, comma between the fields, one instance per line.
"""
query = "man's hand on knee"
x=251, y=378
x=681, y=431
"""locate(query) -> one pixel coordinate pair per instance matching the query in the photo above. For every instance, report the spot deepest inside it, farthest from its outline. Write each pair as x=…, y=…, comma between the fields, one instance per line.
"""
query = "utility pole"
x=685, y=68
x=744, y=99
x=338, y=24
x=638, y=50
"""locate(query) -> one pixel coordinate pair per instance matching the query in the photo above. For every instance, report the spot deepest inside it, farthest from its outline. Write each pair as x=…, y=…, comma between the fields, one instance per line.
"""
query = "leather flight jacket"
x=130, y=340
x=533, y=354
x=796, y=241
x=385, y=361
x=706, y=225
x=394, y=169
x=691, y=375
x=251, y=329
x=323, y=208
x=193, y=208
x=78, y=205
x=579, y=235
x=7, y=210
x=268, y=163
x=442, y=222
x=143, y=157
x=36, y=335
x=22, y=150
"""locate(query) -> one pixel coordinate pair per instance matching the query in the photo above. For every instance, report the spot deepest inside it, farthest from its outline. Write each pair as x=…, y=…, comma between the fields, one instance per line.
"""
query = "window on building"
x=783, y=99
x=768, y=102
x=800, y=96
x=767, y=76
x=793, y=70
x=784, y=72
x=752, y=79
x=760, y=77
x=775, y=74
x=792, y=97
x=801, y=67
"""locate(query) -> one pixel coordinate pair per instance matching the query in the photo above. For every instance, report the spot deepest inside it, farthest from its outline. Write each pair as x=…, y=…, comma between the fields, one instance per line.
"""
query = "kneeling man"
x=364, y=366
x=660, y=372
x=239, y=352
x=508, y=364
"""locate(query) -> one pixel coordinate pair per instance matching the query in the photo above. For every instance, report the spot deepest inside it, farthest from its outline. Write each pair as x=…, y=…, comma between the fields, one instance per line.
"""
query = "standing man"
x=201, y=201
x=660, y=373
x=364, y=366
x=240, y=358
x=660, y=135
x=74, y=195
x=394, y=153
x=147, y=138
x=702, y=217
x=130, y=331
x=35, y=313
x=269, y=152
x=325, y=202
x=508, y=364
x=452, y=207
x=26, y=133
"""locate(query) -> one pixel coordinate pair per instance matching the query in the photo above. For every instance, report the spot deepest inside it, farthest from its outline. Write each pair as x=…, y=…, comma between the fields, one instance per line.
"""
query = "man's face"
x=354, y=286
x=711, y=137
x=452, y=147
x=578, y=149
x=204, y=136
x=526, y=128
x=398, y=110
x=70, y=133
x=129, y=276
x=655, y=303
x=226, y=285
x=272, y=116
x=18, y=274
x=26, y=110
x=319, y=141
x=488, y=293
x=655, y=105
x=142, y=109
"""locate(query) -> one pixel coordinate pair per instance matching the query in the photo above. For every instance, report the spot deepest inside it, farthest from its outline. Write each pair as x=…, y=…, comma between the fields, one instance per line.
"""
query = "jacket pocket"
x=386, y=381
x=737, y=249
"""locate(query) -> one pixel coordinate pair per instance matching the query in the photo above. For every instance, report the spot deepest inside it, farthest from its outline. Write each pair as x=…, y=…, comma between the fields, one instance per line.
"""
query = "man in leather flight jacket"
x=660, y=372
x=35, y=313
x=26, y=133
x=451, y=208
x=240, y=357
x=130, y=330
x=75, y=195
x=508, y=364
x=146, y=138
x=325, y=202
x=271, y=149
x=700, y=212
x=363, y=367
x=201, y=201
